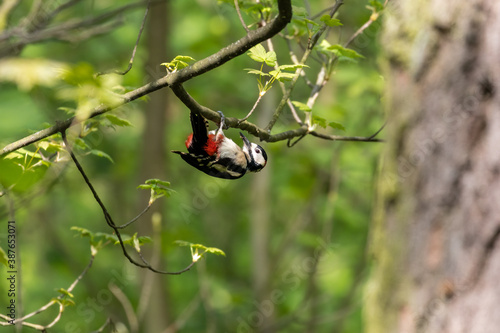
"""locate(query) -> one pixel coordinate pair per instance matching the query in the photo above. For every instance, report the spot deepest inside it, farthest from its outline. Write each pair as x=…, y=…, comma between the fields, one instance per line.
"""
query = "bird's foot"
x=222, y=123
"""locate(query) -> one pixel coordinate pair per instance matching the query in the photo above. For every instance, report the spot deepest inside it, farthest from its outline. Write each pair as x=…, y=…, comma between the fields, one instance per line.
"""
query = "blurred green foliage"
x=319, y=192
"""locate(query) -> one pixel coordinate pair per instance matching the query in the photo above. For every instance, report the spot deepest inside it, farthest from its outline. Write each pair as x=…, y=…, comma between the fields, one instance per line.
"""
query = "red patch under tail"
x=189, y=140
x=213, y=143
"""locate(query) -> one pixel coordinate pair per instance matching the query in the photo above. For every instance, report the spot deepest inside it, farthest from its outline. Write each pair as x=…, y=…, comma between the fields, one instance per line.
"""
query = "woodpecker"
x=218, y=156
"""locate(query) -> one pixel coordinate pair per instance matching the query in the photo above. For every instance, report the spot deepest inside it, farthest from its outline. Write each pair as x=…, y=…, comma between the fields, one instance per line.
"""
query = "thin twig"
x=49, y=304
x=323, y=11
x=295, y=60
x=377, y=132
x=321, y=80
x=294, y=113
x=282, y=84
x=131, y=61
x=253, y=108
x=127, y=307
x=365, y=26
x=237, y=6
x=110, y=221
x=42, y=32
x=253, y=129
x=359, y=31
x=61, y=8
x=325, y=72
x=312, y=42
x=202, y=66
x=106, y=323
x=345, y=138
x=290, y=144
x=184, y=316
x=135, y=218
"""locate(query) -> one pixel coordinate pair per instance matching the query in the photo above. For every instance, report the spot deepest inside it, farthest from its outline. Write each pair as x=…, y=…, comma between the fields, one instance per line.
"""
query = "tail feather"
x=200, y=134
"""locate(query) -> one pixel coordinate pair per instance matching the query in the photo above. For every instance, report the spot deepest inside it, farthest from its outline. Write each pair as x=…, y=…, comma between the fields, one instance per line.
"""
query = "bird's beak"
x=245, y=141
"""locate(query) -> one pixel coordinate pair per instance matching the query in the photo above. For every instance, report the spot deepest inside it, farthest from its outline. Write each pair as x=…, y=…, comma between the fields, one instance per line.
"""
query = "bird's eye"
x=257, y=150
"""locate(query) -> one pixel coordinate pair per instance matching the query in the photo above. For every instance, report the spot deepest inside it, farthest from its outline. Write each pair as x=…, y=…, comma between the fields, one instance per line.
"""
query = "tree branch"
x=131, y=61
x=310, y=45
x=109, y=219
x=253, y=129
x=36, y=28
x=22, y=320
x=237, y=6
x=215, y=60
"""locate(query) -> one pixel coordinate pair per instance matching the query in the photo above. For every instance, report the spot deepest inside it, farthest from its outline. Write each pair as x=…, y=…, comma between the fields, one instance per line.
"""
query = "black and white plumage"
x=218, y=156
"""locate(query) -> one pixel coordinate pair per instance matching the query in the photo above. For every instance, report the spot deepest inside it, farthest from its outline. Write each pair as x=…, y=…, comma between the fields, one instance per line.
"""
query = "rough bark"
x=436, y=225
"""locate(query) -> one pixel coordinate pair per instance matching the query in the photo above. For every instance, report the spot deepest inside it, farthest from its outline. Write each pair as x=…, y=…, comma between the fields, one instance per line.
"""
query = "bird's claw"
x=222, y=124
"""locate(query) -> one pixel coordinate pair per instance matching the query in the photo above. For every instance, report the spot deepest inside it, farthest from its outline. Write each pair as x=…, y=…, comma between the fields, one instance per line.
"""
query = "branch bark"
x=253, y=129
x=215, y=60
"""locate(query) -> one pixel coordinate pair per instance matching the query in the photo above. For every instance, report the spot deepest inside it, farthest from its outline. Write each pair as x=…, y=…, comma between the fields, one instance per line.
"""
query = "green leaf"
x=291, y=67
x=341, y=51
x=91, y=125
x=83, y=232
x=196, y=247
x=115, y=120
x=134, y=240
x=324, y=47
x=179, y=62
x=310, y=22
x=301, y=106
x=215, y=250
x=256, y=72
x=331, y=22
x=299, y=11
x=335, y=125
x=22, y=169
x=376, y=6
x=159, y=188
x=65, y=292
x=101, y=154
x=13, y=155
x=184, y=58
x=258, y=53
x=182, y=243
x=64, y=302
x=106, y=236
x=319, y=121
x=271, y=58
x=80, y=143
x=50, y=147
x=95, y=244
x=298, y=28
x=158, y=182
x=282, y=76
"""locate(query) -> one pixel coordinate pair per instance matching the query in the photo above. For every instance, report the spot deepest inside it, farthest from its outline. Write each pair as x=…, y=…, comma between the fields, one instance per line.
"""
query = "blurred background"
x=295, y=235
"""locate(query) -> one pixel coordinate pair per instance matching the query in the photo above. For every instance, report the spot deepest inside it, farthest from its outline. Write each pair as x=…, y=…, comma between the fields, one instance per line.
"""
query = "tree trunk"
x=154, y=310
x=259, y=230
x=436, y=224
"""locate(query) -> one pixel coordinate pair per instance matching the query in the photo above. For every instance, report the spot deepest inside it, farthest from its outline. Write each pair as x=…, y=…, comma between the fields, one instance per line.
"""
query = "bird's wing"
x=220, y=168
x=200, y=134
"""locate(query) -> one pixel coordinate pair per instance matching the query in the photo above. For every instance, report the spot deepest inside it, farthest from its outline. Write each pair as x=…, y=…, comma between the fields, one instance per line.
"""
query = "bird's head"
x=255, y=154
